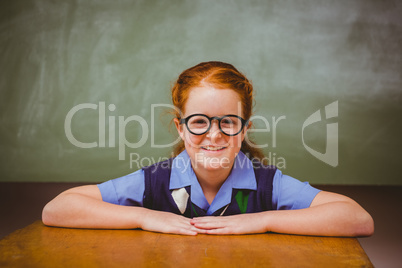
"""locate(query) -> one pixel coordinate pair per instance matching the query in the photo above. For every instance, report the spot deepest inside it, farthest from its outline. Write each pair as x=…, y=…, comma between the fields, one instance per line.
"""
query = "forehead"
x=213, y=102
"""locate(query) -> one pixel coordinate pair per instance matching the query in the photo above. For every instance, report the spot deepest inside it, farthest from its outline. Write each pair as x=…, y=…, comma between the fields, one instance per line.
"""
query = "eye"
x=198, y=122
x=227, y=121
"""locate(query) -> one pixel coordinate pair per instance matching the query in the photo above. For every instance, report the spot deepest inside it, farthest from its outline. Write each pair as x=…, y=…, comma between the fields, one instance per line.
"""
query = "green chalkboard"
x=84, y=85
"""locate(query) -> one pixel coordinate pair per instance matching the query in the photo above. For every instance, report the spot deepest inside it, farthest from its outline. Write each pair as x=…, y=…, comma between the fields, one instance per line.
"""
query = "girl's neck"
x=211, y=181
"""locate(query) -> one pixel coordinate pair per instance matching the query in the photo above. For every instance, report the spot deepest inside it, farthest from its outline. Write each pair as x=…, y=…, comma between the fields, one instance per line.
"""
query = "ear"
x=247, y=127
x=179, y=128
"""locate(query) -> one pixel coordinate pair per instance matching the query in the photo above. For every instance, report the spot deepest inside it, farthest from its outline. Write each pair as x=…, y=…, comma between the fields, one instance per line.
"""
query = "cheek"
x=192, y=140
x=236, y=140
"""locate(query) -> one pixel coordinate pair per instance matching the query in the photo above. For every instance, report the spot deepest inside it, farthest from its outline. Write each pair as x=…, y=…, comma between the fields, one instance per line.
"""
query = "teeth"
x=209, y=148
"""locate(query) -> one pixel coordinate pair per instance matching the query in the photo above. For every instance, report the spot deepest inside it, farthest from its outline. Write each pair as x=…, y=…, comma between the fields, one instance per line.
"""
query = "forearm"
x=331, y=219
x=82, y=207
x=79, y=211
x=328, y=215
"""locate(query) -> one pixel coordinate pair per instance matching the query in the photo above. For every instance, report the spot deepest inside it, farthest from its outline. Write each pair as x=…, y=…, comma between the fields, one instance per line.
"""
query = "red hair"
x=219, y=75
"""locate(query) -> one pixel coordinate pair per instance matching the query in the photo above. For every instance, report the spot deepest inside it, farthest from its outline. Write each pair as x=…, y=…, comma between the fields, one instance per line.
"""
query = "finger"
x=210, y=225
x=189, y=227
x=198, y=230
x=207, y=219
x=204, y=219
x=187, y=232
x=183, y=229
x=191, y=231
x=212, y=221
x=219, y=231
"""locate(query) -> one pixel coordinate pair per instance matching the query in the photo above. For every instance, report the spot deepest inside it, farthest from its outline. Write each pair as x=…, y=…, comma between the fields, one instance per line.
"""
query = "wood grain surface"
x=39, y=246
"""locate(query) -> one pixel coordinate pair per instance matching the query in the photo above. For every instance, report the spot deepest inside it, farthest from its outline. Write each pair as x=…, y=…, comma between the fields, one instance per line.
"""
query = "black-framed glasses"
x=199, y=124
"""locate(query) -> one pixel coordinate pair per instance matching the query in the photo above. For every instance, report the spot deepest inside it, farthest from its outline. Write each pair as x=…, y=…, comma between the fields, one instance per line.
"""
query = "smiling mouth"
x=213, y=148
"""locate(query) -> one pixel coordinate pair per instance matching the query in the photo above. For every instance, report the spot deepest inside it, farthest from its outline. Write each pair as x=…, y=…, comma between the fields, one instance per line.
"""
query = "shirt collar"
x=241, y=177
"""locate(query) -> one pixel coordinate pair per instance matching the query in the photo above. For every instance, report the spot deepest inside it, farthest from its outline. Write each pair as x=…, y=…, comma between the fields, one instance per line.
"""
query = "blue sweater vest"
x=157, y=195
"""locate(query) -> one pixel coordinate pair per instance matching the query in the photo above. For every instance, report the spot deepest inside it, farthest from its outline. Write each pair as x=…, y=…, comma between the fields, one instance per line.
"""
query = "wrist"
x=267, y=220
x=140, y=216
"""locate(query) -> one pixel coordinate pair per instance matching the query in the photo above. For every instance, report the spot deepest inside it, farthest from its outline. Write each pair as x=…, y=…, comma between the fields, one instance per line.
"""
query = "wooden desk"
x=39, y=246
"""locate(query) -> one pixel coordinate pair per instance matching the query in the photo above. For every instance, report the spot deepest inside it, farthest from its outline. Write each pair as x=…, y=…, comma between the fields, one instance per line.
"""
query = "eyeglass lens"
x=200, y=124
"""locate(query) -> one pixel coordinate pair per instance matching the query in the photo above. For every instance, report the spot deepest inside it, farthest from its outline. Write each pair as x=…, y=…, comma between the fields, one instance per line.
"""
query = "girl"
x=216, y=183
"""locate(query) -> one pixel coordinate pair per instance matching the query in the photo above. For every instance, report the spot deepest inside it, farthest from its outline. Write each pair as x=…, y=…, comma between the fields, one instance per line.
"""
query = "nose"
x=214, y=132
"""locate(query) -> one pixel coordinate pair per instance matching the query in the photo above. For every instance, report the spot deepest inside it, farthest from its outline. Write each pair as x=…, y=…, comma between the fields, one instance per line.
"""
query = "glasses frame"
x=219, y=118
